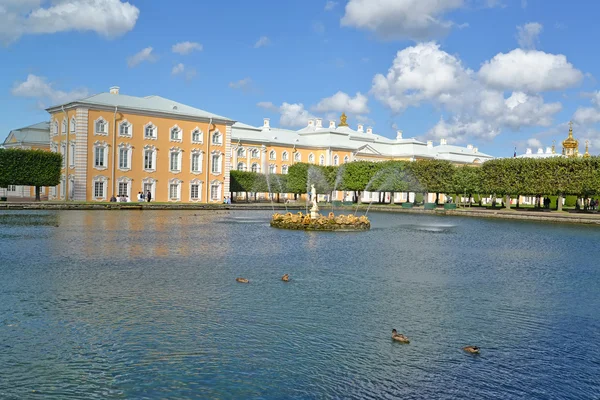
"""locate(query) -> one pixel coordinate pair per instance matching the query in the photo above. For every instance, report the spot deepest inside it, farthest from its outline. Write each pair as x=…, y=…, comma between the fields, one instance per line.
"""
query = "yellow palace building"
x=115, y=144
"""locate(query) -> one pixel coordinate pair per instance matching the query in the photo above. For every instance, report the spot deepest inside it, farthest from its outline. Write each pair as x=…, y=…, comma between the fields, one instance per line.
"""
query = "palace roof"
x=37, y=134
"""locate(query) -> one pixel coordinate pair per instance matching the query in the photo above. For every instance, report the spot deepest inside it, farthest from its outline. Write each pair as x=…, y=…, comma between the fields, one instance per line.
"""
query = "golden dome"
x=570, y=142
x=587, y=149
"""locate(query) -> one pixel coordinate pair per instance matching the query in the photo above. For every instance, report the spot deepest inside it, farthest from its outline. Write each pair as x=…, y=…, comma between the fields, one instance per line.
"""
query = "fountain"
x=317, y=222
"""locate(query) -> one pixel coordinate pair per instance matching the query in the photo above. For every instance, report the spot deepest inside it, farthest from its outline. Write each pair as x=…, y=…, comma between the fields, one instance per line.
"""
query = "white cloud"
x=109, y=18
x=528, y=35
x=178, y=69
x=533, y=142
x=531, y=71
x=586, y=116
x=401, y=19
x=143, y=55
x=341, y=102
x=262, y=42
x=39, y=88
x=181, y=69
x=330, y=5
x=291, y=115
x=245, y=85
x=184, y=48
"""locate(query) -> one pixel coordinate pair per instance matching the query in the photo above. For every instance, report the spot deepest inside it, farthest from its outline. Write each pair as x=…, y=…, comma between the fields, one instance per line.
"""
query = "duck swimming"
x=399, y=337
x=242, y=280
x=285, y=278
x=471, y=349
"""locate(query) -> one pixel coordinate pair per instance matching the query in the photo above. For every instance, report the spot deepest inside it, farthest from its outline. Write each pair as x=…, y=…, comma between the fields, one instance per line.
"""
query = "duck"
x=285, y=278
x=471, y=349
x=399, y=337
x=242, y=280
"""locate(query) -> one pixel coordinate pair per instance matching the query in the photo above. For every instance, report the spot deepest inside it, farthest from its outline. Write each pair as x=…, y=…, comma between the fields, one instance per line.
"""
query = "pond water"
x=144, y=304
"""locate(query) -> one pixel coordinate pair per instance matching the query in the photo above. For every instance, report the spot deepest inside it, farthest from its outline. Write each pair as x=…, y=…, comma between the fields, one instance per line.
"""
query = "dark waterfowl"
x=285, y=278
x=398, y=337
x=471, y=349
x=242, y=280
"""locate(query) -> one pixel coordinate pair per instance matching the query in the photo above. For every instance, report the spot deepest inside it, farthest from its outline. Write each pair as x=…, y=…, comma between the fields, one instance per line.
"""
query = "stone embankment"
x=545, y=216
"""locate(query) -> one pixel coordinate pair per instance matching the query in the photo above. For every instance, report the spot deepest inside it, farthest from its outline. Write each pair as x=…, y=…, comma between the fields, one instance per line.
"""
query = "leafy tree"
x=466, y=180
x=30, y=168
x=357, y=175
x=434, y=176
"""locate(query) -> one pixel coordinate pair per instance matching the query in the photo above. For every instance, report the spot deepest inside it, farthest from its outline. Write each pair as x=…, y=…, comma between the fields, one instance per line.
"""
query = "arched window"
x=272, y=155
x=284, y=169
x=216, y=138
x=297, y=156
x=322, y=160
x=255, y=153
x=255, y=168
x=125, y=129
x=73, y=125
x=346, y=159
x=272, y=169
x=150, y=131
x=175, y=133
x=64, y=126
x=241, y=152
x=241, y=166
x=336, y=160
x=101, y=127
x=311, y=158
x=196, y=136
x=55, y=128
x=284, y=156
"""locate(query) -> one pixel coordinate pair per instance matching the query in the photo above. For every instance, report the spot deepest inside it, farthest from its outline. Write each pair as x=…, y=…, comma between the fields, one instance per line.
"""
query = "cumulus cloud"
x=182, y=70
x=178, y=69
x=143, y=55
x=245, y=85
x=330, y=5
x=586, y=116
x=262, y=42
x=534, y=142
x=184, y=48
x=291, y=115
x=425, y=74
x=108, y=18
x=39, y=88
x=528, y=35
x=532, y=71
x=342, y=102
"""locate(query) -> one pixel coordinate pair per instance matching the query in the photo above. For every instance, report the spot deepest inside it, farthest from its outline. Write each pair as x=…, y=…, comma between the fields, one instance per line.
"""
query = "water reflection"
x=138, y=304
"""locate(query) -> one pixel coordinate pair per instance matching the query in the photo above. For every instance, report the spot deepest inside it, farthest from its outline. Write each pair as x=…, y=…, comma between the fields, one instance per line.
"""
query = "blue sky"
x=495, y=73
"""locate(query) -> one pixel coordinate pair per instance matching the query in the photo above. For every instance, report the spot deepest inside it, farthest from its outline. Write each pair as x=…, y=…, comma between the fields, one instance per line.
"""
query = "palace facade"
x=114, y=144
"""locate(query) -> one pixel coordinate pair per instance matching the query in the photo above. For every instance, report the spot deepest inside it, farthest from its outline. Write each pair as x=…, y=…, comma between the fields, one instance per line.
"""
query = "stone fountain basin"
x=330, y=223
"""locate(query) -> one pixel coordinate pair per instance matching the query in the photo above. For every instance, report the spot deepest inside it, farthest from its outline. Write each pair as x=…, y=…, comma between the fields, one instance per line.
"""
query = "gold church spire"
x=343, y=120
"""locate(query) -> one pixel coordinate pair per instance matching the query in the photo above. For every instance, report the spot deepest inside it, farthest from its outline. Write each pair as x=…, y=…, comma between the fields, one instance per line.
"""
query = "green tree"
x=30, y=168
x=357, y=175
x=467, y=180
x=434, y=176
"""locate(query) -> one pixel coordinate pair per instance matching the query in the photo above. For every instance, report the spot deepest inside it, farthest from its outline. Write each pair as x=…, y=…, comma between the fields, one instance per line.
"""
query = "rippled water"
x=144, y=304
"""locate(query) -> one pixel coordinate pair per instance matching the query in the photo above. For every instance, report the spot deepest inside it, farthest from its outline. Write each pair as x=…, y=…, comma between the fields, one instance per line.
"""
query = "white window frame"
x=336, y=160
x=254, y=153
x=242, y=164
x=219, y=164
x=297, y=157
x=128, y=181
x=101, y=132
x=125, y=124
x=73, y=126
x=199, y=183
x=103, y=145
x=241, y=152
x=55, y=128
x=272, y=155
x=255, y=166
x=63, y=152
x=284, y=156
x=152, y=182
x=272, y=169
x=175, y=152
x=322, y=160
x=216, y=138
x=346, y=159
x=174, y=181
x=311, y=158
x=151, y=149
x=99, y=179
x=200, y=154
x=154, y=131
x=284, y=169
x=128, y=149
x=218, y=196
x=63, y=129
x=72, y=148
x=175, y=129
x=201, y=136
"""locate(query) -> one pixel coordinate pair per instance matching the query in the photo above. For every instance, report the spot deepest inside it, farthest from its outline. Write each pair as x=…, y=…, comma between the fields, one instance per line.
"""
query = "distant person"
x=113, y=199
x=140, y=196
x=149, y=196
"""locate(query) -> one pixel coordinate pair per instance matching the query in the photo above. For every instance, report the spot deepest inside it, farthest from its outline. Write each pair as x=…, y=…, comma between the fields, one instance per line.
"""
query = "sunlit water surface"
x=144, y=304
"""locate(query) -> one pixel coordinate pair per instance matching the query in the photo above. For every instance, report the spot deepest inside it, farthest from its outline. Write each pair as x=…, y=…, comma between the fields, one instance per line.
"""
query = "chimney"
x=266, y=123
x=398, y=134
x=430, y=144
x=528, y=151
x=540, y=151
x=360, y=128
x=331, y=124
x=114, y=90
x=548, y=150
x=311, y=123
x=443, y=142
x=370, y=130
x=319, y=122
x=470, y=146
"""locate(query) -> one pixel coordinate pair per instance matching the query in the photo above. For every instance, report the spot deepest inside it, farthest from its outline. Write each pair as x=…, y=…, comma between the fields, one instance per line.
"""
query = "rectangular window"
x=99, y=157
x=214, y=192
x=12, y=188
x=195, y=192
x=196, y=136
x=216, y=164
x=149, y=132
x=147, y=188
x=98, y=189
x=195, y=162
x=72, y=156
x=148, y=161
x=173, y=191
x=123, y=186
x=124, y=129
x=175, y=161
x=123, y=158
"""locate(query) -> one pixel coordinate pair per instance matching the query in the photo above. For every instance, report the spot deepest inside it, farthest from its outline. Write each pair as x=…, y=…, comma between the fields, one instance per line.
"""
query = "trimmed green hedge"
x=30, y=168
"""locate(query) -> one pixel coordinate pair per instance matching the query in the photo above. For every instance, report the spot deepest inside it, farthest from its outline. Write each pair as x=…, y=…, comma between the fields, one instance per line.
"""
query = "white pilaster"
x=81, y=155
x=227, y=160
